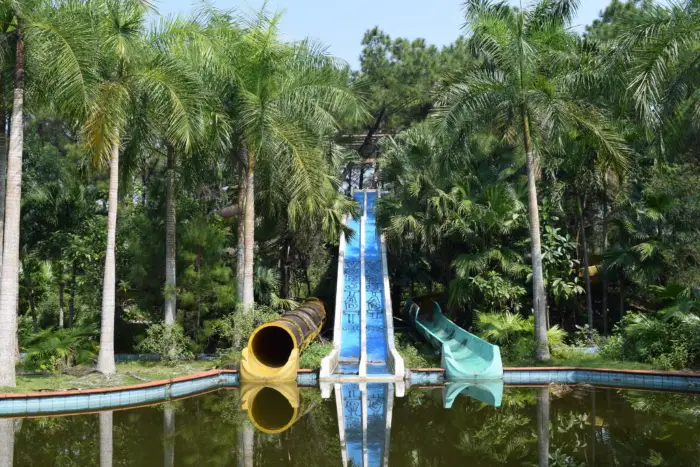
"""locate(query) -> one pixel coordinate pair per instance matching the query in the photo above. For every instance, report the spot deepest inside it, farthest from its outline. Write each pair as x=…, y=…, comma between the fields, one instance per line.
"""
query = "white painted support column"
x=363, y=293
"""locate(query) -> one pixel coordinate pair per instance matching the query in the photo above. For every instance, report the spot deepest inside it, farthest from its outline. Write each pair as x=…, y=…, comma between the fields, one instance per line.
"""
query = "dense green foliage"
x=189, y=107
x=513, y=334
x=611, y=123
x=54, y=351
x=169, y=342
x=667, y=341
x=537, y=180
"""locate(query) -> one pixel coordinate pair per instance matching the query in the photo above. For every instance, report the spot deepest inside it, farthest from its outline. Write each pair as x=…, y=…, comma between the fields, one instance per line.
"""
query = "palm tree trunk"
x=586, y=273
x=249, y=221
x=3, y=165
x=105, y=360
x=539, y=299
x=308, y=282
x=605, y=247
x=9, y=288
x=286, y=271
x=7, y=441
x=32, y=306
x=622, y=299
x=61, y=303
x=240, y=250
x=71, y=302
x=170, y=245
x=106, y=445
x=543, y=426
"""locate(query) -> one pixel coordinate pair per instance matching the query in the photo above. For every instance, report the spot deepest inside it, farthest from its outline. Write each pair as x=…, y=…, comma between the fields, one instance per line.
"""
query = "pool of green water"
x=555, y=426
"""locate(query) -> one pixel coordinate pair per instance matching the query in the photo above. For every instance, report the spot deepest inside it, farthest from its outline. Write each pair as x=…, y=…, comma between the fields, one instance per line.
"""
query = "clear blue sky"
x=340, y=24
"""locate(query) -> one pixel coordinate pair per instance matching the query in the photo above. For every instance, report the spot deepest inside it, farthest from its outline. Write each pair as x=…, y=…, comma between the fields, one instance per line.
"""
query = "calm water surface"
x=555, y=426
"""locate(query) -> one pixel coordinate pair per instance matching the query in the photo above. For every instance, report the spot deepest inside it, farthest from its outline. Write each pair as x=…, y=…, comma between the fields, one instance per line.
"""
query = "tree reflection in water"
x=543, y=427
x=7, y=441
x=106, y=439
x=533, y=426
x=168, y=435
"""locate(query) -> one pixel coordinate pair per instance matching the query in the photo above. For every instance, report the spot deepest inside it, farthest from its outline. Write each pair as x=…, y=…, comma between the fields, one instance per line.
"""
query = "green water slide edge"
x=464, y=355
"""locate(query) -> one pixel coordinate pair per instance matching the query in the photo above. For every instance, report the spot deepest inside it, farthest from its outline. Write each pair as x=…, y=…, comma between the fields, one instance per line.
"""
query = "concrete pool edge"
x=56, y=402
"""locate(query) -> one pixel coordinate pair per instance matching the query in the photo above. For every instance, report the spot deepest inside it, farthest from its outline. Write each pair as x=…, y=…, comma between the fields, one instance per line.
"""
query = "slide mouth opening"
x=272, y=346
x=271, y=410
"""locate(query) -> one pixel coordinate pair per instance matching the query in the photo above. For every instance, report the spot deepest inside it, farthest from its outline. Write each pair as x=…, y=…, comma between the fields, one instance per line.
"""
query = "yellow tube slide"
x=273, y=348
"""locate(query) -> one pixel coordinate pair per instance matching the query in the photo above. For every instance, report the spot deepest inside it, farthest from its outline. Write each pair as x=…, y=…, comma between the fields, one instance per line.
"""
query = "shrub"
x=167, y=340
x=55, y=350
x=416, y=354
x=515, y=334
x=312, y=356
x=665, y=340
x=235, y=328
x=585, y=336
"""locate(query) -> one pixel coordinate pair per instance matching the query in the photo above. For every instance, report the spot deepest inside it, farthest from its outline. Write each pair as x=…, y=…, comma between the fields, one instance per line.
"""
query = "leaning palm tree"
x=524, y=88
x=130, y=74
x=281, y=96
x=54, y=41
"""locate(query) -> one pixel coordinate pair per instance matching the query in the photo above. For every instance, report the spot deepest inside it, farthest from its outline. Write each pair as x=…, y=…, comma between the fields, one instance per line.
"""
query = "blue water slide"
x=363, y=338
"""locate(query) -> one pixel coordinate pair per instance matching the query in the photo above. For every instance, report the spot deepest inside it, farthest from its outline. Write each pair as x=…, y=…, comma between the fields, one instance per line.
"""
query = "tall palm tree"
x=58, y=38
x=130, y=73
x=588, y=167
x=5, y=32
x=177, y=119
x=282, y=97
x=523, y=88
x=120, y=54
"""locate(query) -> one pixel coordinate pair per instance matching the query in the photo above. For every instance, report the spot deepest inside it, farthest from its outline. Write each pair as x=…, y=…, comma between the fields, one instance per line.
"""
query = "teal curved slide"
x=464, y=355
